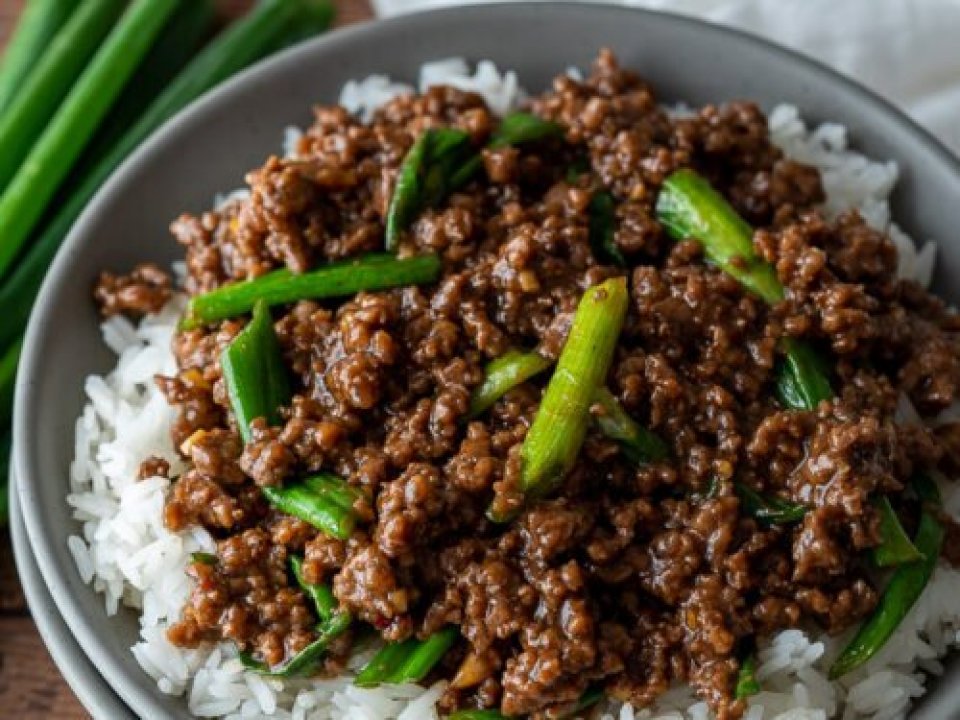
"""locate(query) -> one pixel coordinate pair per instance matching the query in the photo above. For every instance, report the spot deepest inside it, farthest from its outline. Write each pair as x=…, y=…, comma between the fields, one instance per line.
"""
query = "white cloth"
x=907, y=50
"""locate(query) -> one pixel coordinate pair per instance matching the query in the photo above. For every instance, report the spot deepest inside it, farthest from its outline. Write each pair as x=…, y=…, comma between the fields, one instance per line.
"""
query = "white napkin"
x=907, y=50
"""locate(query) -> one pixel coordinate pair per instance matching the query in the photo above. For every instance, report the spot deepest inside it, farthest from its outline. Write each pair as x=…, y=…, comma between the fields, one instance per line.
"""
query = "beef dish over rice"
x=693, y=510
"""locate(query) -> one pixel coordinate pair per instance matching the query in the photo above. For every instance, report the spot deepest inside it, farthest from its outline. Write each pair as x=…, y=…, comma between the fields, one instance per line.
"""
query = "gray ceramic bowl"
x=209, y=147
x=81, y=675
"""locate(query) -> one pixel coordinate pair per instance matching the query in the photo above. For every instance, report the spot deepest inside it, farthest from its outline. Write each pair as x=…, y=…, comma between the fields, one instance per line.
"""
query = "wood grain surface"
x=30, y=685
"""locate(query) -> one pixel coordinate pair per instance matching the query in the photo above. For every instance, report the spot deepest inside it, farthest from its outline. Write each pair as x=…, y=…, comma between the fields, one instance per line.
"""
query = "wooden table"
x=30, y=685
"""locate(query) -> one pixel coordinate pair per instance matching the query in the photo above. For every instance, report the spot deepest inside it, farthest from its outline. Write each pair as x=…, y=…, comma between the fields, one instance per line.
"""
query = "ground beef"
x=146, y=289
x=628, y=578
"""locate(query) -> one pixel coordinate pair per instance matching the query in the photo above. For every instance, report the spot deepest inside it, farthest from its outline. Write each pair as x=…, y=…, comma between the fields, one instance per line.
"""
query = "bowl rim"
x=45, y=549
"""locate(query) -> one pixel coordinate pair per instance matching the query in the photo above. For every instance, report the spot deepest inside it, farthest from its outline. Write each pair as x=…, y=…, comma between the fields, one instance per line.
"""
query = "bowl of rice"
x=628, y=151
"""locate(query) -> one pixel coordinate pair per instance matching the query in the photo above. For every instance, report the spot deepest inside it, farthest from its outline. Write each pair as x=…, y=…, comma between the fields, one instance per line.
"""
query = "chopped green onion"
x=385, y=663
x=895, y=547
x=603, y=229
x=254, y=373
x=409, y=661
x=502, y=375
x=553, y=442
x=335, y=489
x=371, y=272
x=302, y=502
x=639, y=445
x=690, y=208
x=203, y=558
x=747, y=683
x=307, y=659
x=905, y=586
x=424, y=178
x=515, y=129
x=802, y=379
x=423, y=658
x=323, y=600
x=769, y=510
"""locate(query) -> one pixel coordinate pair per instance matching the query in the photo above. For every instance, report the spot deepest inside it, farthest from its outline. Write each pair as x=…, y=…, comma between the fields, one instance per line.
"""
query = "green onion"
x=519, y=128
x=321, y=512
x=515, y=367
x=802, y=379
x=603, y=229
x=589, y=698
x=335, y=489
x=385, y=663
x=64, y=138
x=689, y=208
x=254, y=373
x=203, y=558
x=427, y=654
x=48, y=83
x=371, y=272
x=639, y=445
x=323, y=600
x=770, y=510
x=905, y=586
x=553, y=442
x=8, y=377
x=895, y=547
x=747, y=683
x=409, y=661
x=307, y=659
x=333, y=623
x=190, y=27
x=441, y=160
x=424, y=178
x=503, y=374
x=405, y=202
x=5, y=441
x=270, y=25
x=515, y=129
x=38, y=24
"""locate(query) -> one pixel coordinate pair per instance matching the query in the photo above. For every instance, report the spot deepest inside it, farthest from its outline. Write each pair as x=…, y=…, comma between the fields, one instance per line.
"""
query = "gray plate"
x=209, y=147
x=82, y=677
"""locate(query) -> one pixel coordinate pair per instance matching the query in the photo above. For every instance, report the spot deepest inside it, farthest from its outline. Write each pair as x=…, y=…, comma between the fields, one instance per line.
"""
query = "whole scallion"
x=63, y=139
x=271, y=24
x=38, y=25
x=49, y=82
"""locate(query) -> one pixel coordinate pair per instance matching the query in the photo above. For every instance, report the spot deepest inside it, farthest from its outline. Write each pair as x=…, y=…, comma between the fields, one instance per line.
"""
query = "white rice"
x=129, y=557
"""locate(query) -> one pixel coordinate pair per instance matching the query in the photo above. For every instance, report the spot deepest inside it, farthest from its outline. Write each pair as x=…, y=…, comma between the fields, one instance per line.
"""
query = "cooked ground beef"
x=145, y=290
x=628, y=578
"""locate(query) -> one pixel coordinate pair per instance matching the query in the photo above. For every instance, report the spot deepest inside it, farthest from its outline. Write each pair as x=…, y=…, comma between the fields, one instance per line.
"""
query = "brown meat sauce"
x=628, y=578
